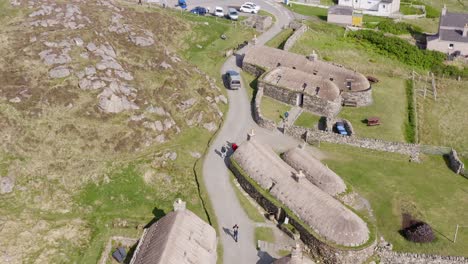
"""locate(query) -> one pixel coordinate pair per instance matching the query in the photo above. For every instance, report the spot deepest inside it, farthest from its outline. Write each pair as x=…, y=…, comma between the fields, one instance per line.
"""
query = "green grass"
x=264, y=234
x=307, y=119
x=429, y=191
x=329, y=2
x=283, y=252
x=251, y=82
x=265, y=13
x=389, y=95
x=280, y=39
x=273, y=109
x=248, y=207
x=410, y=10
x=309, y=11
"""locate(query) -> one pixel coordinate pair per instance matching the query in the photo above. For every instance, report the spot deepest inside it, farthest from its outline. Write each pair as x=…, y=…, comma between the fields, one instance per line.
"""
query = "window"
x=451, y=46
x=383, y=6
x=348, y=85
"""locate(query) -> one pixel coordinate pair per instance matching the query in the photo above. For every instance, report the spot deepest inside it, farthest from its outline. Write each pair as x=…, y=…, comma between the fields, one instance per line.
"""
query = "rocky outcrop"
x=456, y=164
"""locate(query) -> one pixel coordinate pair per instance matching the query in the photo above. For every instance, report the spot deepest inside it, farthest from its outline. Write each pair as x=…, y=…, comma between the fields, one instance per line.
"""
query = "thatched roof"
x=271, y=58
x=315, y=171
x=177, y=238
x=300, y=81
x=326, y=216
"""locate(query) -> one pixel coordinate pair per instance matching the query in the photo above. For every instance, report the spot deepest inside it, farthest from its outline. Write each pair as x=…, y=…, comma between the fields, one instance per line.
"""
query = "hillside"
x=102, y=122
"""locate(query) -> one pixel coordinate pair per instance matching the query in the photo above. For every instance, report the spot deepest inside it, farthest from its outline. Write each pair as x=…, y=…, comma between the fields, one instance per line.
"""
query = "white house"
x=373, y=7
x=453, y=34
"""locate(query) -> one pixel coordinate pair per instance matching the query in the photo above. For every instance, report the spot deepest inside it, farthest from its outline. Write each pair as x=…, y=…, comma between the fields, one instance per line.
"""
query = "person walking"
x=236, y=232
x=139, y=2
x=223, y=151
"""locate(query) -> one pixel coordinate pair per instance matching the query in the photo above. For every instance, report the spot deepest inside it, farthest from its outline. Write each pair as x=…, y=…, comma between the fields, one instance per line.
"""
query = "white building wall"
x=443, y=46
x=373, y=5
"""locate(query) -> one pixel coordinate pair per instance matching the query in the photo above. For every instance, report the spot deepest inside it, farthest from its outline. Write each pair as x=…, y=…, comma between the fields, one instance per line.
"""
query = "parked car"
x=233, y=14
x=199, y=11
x=248, y=9
x=255, y=6
x=219, y=11
x=341, y=128
x=182, y=4
x=233, y=80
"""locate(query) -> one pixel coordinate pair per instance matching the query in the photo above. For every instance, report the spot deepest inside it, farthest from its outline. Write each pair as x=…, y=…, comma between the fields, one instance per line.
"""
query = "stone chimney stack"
x=313, y=56
x=296, y=254
x=299, y=176
x=179, y=205
x=444, y=10
x=465, y=31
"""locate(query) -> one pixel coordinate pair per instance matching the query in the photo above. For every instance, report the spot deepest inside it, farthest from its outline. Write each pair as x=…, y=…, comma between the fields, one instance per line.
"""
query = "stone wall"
x=252, y=69
x=311, y=103
x=391, y=257
x=294, y=37
x=362, y=98
x=257, y=112
x=318, y=249
x=456, y=164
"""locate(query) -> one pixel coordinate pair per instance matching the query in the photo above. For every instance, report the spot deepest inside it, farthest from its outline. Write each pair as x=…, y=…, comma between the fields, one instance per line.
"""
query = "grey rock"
x=168, y=124
x=80, y=74
x=15, y=100
x=161, y=138
x=85, y=84
x=199, y=46
x=223, y=99
x=78, y=41
x=172, y=156
x=59, y=72
x=187, y=104
x=84, y=55
x=124, y=75
x=89, y=71
x=6, y=185
x=195, y=154
x=98, y=84
x=91, y=47
x=158, y=125
x=156, y=110
x=142, y=41
x=165, y=65
x=210, y=126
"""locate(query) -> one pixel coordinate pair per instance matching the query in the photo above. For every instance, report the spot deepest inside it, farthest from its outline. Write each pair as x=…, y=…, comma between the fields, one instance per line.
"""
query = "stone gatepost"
x=179, y=205
x=251, y=134
x=296, y=254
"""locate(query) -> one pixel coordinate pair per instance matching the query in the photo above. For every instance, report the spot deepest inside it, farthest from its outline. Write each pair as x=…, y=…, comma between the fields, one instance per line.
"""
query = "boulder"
x=59, y=72
x=6, y=184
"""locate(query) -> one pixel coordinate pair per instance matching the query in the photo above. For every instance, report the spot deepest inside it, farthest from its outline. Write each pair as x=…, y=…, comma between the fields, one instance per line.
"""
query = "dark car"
x=199, y=11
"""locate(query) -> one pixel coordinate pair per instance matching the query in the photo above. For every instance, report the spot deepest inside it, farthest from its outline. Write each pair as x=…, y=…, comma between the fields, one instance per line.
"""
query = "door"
x=299, y=99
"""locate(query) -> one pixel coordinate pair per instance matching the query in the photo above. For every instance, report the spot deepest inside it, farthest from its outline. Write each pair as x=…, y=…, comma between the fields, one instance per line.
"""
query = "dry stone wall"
x=257, y=113
x=456, y=164
x=391, y=257
x=311, y=103
x=362, y=98
x=319, y=249
x=294, y=37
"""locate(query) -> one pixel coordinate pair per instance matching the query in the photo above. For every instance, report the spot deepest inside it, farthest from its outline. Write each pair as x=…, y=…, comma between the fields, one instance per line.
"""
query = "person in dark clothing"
x=139, y=2
x=223, y=152
x=236, y=232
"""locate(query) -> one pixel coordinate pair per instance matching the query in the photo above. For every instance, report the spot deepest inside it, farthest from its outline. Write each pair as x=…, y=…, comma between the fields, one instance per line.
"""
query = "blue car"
x=199, y=11
x=341, y=129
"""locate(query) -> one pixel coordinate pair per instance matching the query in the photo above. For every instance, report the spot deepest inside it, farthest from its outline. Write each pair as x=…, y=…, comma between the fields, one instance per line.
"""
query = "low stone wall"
x=252, y=69
x=391, y=257
x=311, y=103
x=318, y=249
x=311, y=136
x=456, y=164
x=362, y=98
x=294, y=37
x=257, y=112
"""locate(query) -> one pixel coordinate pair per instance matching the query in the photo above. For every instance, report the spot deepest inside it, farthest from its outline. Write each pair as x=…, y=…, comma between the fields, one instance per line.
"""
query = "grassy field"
x=444, y=122
x=321, y=13
x=273, y=109
x=307, y=119
x=429, y=191
x=280, y=39
x=389, y=94
x=264, y=234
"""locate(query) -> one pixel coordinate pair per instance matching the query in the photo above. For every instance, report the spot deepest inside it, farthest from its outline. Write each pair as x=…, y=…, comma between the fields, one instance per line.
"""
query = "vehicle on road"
x=255, y=6
x=340, y=127
x=233, y=14
x=201, y=11
x=182, y=4
x=219, y=11
x=233, y=80
x=248, y=9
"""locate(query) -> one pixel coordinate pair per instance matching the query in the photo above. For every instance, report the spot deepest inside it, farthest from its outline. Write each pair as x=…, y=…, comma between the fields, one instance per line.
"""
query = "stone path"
x=294, y=114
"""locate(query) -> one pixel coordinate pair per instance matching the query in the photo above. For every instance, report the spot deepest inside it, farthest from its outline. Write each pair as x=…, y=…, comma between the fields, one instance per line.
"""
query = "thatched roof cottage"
x=315, y=171
x=326, y=216
x=177, y=238
x=352, y=85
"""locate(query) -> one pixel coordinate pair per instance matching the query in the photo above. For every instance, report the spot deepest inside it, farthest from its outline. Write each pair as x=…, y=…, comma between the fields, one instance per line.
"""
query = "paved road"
x=237, y=124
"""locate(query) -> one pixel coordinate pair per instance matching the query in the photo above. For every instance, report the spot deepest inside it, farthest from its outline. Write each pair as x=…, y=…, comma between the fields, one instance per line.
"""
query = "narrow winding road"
x=238, y=122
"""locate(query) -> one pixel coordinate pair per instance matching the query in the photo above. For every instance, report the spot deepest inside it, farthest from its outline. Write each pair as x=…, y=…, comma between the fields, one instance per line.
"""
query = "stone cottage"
x=310, y=92
x=179, y=237
x=344, y=16
x=325, y=215
x=373, y=7
x=353, y=86
x=453, y=34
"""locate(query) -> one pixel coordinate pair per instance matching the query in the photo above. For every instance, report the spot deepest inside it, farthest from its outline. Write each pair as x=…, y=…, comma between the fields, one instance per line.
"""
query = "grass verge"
x=280, y=39
x=249, y=209
x=273, y=109
x=264, y=234
x=307, y=119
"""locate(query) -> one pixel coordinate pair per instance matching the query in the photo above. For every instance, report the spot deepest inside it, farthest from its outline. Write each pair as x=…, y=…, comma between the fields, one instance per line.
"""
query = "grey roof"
x=452, y=35
x=321, y=212
x=315, y=171
x=270, y=58
x=340, y=10
x=458, y=20
x=386, y=1
x=180, y=237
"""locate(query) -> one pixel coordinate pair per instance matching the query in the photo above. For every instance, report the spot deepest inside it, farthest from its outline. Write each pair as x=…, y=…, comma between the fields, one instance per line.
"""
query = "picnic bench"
x=350, y=103
x=373, y=121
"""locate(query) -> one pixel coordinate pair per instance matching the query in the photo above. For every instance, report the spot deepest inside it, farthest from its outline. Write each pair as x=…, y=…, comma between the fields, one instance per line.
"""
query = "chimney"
x=313, y=56
x=251, y=134
x=444, y=10
x=465, y=30
x=296, y=254
x=179, y=205
x=299, y=176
